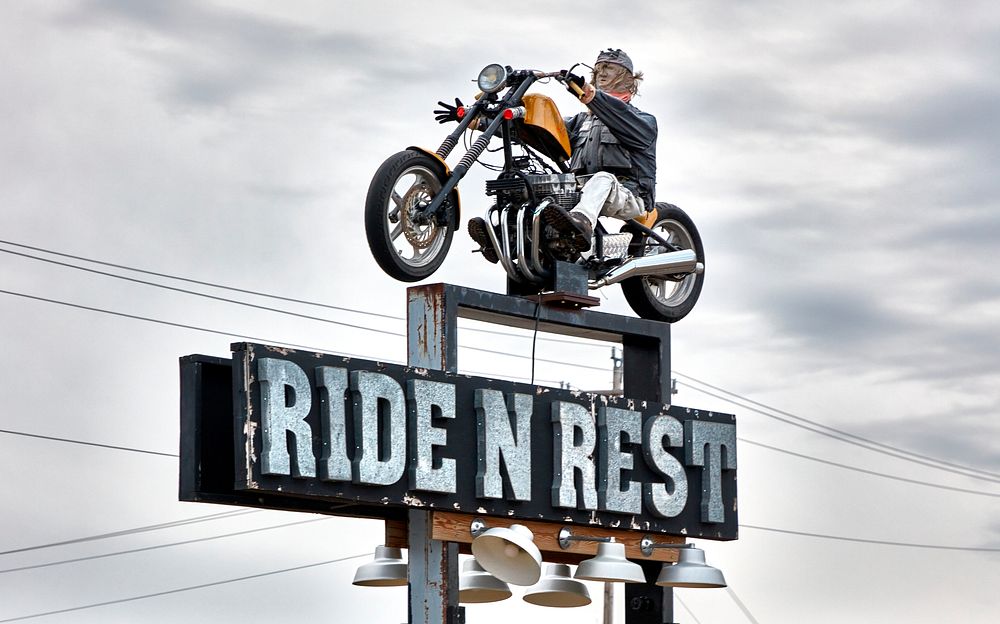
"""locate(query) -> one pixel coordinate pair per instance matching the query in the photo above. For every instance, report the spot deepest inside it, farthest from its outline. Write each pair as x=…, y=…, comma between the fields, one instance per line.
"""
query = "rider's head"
x=614, y=74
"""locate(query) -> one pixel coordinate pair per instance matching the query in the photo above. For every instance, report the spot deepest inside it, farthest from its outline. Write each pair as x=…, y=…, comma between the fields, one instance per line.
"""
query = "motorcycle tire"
x=668, y=298
x=405, y=249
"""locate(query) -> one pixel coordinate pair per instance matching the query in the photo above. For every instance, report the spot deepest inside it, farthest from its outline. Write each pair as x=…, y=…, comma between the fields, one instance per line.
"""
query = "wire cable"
x=182, y=589
x=142, y=529
x=836, y=431
x=739, y=603
x=376, y=314
x=869, y=472
x=239, y=290
x=841, y=439
x=686, y=608
x=98, y=445
x=159, y=546
x=861, y=540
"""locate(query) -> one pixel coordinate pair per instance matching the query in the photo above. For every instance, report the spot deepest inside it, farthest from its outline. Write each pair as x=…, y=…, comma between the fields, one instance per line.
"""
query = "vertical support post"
x=431, y=328
x=646, y=370
x=432, y=342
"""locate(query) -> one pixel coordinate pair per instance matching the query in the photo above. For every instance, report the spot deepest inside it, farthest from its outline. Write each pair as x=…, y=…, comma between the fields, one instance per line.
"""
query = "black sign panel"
x=378, y=436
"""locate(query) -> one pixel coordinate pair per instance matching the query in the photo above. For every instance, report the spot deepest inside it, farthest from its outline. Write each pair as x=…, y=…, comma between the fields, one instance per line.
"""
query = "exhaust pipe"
x=683, y=261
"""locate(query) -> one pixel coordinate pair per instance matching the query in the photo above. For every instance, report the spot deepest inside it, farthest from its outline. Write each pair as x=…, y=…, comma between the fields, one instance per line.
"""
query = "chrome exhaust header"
x=671, y=263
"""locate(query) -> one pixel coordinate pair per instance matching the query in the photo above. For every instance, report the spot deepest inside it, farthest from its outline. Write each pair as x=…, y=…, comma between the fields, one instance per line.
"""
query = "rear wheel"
x=405, y=246
x=667, y=297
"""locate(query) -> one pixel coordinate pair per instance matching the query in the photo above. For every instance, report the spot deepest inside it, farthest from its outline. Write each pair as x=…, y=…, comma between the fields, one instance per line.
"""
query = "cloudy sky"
x=840, y=160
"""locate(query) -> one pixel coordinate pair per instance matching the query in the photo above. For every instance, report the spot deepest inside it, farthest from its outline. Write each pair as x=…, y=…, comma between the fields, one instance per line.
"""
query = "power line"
x=142, y=529
x=870, y=472
x=841, y=439
x=840, y=432
x=207, y=296
x=242, y=290
x=686, y=608
x=181, y=589
x=479, y=349
x=861, y=540
x=257, y=339
x=159, y=546
x=739, y=603
x=996, y=477
x=107, y=446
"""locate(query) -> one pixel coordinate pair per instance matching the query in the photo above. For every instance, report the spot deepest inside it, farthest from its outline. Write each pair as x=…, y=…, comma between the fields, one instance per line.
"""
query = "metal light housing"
x=610, y=566
x=690, y=571
x=477, y=585
x=510, y=554
x=558, y=589
x=492, y=78
x=387, y=569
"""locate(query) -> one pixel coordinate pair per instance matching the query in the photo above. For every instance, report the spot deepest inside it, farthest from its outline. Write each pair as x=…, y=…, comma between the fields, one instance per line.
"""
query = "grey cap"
x=617, y=57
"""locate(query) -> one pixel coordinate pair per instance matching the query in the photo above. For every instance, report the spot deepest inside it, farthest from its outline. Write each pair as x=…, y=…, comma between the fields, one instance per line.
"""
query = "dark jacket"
x=618, y=138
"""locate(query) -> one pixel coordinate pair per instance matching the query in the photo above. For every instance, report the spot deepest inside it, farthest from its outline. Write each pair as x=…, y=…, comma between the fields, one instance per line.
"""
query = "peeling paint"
x=413, y=501
x=281, y=350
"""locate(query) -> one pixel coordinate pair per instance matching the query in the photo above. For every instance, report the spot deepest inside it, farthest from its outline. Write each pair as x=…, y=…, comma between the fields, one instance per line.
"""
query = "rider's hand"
x=447, y=112
x=571, y=79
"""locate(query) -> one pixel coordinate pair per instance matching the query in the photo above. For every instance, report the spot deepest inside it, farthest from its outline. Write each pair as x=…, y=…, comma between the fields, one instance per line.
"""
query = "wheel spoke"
x=396, y=231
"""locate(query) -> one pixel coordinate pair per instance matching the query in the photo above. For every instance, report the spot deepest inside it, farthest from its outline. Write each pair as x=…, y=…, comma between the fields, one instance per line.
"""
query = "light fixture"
x=387, y=569
x=608, y=565
x=477, y=585
x=510, y=554
x=690, y=569
x=558, y=589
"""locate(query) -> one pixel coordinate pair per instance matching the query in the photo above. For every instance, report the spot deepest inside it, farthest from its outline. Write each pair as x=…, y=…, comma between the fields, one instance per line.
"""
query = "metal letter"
x=496, y=440
x=568, y=419
x=286, y=399
x=663, y=500
x=369, y=390
x=422, y=396
x=717, y=441
x=334, y=465
x=612, y=422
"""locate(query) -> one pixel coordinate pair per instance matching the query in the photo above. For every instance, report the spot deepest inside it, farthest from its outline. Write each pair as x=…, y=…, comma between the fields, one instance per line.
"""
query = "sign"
x=382, y=436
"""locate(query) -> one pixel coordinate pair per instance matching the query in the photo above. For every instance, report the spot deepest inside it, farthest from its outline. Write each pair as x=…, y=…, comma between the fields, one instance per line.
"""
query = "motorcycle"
x=413, y=207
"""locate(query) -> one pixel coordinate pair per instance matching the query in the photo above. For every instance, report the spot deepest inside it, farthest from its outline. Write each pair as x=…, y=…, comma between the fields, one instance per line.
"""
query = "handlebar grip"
x=576, y=89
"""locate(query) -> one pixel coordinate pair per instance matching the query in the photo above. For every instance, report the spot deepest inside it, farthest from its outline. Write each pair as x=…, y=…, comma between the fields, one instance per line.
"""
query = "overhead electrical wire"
x=141, y=529
x=837, y=431
x=264, y=340
x=159, y=546
x=886, y=448
x=182, y=589
x=860, y=540
x=84, y=443
x=846, y=440
x=739, y=603
x=244, y=291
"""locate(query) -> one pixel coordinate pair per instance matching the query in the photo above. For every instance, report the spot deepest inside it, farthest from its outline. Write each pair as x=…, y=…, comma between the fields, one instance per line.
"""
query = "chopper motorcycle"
x=413, y=208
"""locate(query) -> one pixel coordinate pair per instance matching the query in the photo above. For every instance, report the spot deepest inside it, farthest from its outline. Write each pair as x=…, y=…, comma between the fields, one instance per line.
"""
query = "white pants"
x=604, y=195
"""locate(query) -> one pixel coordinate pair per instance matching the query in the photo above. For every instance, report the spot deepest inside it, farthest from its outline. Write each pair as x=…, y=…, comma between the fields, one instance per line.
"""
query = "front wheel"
x=406, y=247
x=667, y=297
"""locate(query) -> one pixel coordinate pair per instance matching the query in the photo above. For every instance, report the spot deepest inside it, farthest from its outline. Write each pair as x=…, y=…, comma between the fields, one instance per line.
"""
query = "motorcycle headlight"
x=492, y=78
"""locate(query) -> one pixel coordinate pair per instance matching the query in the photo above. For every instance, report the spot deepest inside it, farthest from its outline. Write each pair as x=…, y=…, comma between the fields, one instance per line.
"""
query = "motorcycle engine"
x=562, y=187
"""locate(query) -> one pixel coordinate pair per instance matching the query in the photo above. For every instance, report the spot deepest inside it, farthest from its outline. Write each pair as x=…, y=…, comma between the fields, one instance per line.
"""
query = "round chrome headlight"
x=492, y=78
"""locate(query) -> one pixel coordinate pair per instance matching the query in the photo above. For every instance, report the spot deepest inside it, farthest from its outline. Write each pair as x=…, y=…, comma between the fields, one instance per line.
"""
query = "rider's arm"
x=634, y=129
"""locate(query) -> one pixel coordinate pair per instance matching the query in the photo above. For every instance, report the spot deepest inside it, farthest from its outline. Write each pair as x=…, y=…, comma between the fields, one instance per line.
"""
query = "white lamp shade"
x=558, y=589
x=509, y=554
x=477, y=585
x=690, y=571
x=610, y=566
x=387, y=569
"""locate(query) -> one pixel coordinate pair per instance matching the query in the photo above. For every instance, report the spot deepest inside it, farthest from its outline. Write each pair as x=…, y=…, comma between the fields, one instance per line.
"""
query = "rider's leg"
x=604, y=195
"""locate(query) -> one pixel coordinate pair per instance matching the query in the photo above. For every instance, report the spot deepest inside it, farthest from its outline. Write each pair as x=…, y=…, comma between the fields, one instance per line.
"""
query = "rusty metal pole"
x=433, y=565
